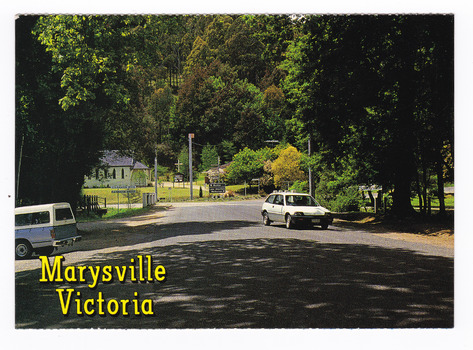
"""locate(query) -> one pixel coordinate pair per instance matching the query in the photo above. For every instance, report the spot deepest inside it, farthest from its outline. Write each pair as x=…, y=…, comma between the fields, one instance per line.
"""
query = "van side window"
x=63, y=214
x=32, y=218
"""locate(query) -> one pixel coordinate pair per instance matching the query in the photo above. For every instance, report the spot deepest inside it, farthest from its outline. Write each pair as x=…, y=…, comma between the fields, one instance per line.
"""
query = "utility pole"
x=19, y=167
x=310, y=170
x=191, y=136
x=156, y=173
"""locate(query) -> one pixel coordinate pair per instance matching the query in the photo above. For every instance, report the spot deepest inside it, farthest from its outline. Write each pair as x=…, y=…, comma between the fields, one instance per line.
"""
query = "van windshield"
x=304, y=201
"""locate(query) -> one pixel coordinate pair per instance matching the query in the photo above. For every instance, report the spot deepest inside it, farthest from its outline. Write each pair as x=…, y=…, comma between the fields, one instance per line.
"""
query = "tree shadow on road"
x=262, y=283
x=120, y=235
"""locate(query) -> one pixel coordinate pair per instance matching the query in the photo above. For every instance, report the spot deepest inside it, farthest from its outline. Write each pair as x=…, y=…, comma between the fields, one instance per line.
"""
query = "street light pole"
x=191, y=136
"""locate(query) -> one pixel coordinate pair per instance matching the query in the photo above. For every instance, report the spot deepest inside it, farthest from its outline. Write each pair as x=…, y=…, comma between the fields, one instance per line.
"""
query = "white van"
x=42, y=228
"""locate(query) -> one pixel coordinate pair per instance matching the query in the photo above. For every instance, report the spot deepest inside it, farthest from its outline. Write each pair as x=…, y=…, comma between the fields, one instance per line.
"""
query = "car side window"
x=270, y=199
x=278, y=200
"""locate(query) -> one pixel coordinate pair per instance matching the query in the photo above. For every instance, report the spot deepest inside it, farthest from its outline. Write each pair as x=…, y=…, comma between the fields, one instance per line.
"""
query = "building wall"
x=116, y=176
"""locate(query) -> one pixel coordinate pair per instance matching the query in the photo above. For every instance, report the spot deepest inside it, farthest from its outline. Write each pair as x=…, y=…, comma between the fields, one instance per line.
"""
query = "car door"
x=277, y=208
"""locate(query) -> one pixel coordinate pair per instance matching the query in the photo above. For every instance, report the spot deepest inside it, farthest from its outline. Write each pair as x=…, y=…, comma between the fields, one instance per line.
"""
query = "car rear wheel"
x=23, y=249
x=324, y=225
x=289, y=223
x=266, y=220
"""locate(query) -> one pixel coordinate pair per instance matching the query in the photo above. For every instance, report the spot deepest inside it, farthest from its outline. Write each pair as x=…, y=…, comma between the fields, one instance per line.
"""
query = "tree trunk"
x=403, y=129
x=419, y=195
x=440, y=184
x=425, y=185
x=402, y=196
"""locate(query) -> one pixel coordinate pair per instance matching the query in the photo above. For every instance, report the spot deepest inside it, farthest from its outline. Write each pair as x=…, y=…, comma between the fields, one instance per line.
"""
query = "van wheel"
x=23, y=249
x=45, y=251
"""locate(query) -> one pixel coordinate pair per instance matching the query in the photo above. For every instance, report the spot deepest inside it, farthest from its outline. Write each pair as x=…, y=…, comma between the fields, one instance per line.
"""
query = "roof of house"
x=114, y=158
x=216, y=169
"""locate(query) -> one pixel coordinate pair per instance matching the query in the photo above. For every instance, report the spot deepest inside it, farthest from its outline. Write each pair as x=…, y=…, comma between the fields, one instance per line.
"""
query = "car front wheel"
x=266, y=220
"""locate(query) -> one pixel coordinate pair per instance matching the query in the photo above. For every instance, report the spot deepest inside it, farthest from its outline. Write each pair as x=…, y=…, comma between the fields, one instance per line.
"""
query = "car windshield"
x=301, y=200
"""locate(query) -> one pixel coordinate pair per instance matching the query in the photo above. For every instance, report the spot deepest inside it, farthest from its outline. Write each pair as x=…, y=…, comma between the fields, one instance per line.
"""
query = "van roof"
x=41, y=207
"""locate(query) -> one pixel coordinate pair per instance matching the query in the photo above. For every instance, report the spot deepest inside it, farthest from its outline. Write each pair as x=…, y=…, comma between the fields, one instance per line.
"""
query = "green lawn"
x=449, y=201
x=176, y=193
x=166, y=193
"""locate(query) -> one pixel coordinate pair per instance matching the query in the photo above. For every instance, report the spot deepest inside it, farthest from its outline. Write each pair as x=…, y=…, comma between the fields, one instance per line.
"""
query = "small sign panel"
x=217, y=188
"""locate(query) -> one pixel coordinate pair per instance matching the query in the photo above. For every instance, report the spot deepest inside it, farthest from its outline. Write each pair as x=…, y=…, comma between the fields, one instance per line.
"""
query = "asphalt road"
x=226, y=270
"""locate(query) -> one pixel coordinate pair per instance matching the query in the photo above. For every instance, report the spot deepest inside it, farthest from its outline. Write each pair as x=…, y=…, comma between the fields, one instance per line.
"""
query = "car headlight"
x=298, y=213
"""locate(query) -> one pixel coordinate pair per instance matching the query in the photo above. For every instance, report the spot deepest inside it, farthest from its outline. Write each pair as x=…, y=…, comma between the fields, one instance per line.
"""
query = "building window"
x=123, y=173
x=114, y=174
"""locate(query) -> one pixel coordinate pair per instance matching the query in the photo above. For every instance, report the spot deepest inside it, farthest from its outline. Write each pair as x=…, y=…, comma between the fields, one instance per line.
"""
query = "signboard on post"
x=123, y=191
x=178, y=177
x=127, y=190
x=217, y=188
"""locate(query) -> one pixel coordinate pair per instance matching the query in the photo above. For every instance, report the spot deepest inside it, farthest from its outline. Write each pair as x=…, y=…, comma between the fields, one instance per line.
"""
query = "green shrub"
x=346, y=200
x=338, y=191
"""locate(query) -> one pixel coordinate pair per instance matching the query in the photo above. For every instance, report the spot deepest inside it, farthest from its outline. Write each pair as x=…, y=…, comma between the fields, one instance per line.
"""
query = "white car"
x=295, y=208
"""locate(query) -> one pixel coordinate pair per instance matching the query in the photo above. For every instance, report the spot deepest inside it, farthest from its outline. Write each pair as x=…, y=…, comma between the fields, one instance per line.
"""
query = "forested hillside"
x=373, y=93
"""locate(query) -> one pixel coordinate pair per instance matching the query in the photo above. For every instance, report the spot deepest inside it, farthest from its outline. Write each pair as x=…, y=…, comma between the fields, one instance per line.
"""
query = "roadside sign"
x=127, y=189
x=178, y=177
x=217, y=188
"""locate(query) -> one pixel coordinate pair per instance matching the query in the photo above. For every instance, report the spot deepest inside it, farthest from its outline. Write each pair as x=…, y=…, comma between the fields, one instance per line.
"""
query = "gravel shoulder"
x=435, y=231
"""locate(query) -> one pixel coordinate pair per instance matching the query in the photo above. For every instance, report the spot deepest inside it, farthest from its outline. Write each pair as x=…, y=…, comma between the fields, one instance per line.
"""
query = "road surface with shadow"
x=226, y=270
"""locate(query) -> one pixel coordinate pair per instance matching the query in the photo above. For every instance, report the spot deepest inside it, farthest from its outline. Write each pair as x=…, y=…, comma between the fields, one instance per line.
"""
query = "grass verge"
x=113, y=213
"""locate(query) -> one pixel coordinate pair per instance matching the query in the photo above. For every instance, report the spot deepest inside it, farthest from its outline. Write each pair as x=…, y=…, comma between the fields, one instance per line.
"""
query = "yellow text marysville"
x=140, y=270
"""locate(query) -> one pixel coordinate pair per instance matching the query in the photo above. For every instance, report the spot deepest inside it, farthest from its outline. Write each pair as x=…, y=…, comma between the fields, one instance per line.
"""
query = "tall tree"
x=356, y=83
x=54, y=148
x=286, y=168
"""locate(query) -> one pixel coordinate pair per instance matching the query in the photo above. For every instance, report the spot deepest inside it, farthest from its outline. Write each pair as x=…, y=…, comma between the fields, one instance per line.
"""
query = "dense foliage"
x=373, y=93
